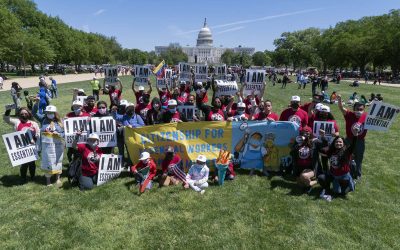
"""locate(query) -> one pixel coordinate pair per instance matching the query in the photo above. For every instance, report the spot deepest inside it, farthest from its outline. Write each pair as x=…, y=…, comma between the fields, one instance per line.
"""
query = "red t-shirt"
x=89, y=110
x=142, y=109
x=262, y=116
x=72, y=114
x=203, y=99
x=151, y=164
x=184, y=94
x=335, y=168
x=306, y=106
x=353, y=123
x=300, y=117
x=304, y=160
x=89, y=168
x=216, y=115
x=139, y=96
x=248, y=104
x=165, y=163
x=115, y=96
x=164, y=98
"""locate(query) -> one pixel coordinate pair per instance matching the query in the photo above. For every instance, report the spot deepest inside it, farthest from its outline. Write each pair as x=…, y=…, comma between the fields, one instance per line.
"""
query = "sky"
x=251, y=23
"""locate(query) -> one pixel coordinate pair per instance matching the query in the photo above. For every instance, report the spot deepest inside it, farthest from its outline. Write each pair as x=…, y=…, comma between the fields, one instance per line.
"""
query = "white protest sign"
x=381, y=116
x=200, y=72
x=328, y=127
x=141, y=75
x=110, y=167
x=220, y=72
x=82, y=99
x=111, y=75
x=72, y=125
x=226, y=87
x=254, y=81
x=168, y=77
x=160, y=83
x=20, y=148
x=188, y=111
x=184, y=72
x=106, y=129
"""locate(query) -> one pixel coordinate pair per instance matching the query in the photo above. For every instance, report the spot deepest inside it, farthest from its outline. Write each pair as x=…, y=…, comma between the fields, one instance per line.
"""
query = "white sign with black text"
x=381, y=116
x=20, y=147
x=220, y=72
x=110, y=167
x=226, y=87
x=106, y=129
x=184, y=72
x=200, y=72
x=73, y=125
x=142, y=73
x=188, y=111
x=111, y=75
x=254, y=81
x=328, y=127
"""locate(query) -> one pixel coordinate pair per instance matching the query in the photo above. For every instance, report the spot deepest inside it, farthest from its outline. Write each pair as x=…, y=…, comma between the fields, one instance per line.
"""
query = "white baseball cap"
x=172, y=102
x=144, y=156
x=325, y=108
x=295, y=98
x=93, y=136
x=318, y=106
x=201, y=158
x=50, y=108
x=241, y=105
x=81, y=90
x=141, y=88
x=130, y=104
x=199, y=83
x=182, y=82
x=77, y=103
x=123, y=103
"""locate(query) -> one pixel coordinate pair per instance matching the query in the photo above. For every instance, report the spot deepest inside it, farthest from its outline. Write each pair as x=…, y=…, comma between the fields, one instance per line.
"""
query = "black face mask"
x=294, y=105
x=23, y=118
x=130, y=113
x=169, y=155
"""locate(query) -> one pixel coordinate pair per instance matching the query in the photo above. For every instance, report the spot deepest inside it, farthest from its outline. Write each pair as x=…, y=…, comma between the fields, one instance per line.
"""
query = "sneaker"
x=327, y=197
x=202, y=191
x=58, y=183
x=49, y=185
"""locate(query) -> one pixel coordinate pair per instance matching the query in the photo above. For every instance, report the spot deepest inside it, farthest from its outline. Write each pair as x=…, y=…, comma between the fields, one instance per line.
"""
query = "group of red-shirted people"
x=333, y=161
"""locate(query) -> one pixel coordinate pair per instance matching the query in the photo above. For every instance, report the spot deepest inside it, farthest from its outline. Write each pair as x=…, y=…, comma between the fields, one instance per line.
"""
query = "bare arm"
x=340, y=104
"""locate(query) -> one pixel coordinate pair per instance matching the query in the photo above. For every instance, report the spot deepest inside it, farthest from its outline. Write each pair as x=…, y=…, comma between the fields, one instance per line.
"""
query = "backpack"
x=75, y=171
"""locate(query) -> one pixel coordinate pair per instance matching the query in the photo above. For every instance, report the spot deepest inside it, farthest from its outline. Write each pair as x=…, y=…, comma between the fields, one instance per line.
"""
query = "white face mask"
x=93, y=144
x=50, y=116
x=359, y=113
x=102, y=111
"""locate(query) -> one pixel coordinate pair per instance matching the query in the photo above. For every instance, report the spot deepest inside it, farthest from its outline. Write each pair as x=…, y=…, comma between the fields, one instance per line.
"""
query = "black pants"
x=24, y=169
x=96, y=94
x=284, y=84
x=325, y=181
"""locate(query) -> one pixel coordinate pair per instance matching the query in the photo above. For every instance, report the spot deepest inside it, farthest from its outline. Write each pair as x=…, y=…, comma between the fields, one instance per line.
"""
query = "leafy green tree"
x=261, y=59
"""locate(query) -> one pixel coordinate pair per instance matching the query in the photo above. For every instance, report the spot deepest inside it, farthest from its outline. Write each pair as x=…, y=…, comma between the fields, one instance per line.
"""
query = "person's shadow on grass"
x=16, y=180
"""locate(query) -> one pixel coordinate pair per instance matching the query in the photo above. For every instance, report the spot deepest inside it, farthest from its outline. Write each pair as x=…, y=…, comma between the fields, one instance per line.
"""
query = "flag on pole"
x=159, y=70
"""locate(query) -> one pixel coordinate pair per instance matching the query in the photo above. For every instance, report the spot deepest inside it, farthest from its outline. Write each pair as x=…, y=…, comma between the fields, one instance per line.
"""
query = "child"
x=145, y=161
x=197, y=176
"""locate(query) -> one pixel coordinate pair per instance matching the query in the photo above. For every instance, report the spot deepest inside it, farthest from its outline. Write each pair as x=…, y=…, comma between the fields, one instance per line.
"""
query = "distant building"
x=204, y=52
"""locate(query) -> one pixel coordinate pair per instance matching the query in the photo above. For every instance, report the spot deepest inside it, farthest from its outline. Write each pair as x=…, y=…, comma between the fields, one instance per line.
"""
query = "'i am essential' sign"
x=328, y=127
x=188, y=111
x=226, y=87
x=111, y=75
x=141, y=75
x=184, y=72
x=105, y=128
x=254, y=81
x=73, y=125
x=20, y=147
x=110, y=167
x=220, y=72
x=200, y=73
x=381, y=116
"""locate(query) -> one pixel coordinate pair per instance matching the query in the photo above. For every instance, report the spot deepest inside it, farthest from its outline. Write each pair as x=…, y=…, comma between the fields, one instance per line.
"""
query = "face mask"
x=294, y=105
x=255, y=142
x=23, y=118
x=129, y=113
x=359, y=113
x=103, y=111
x=50, y=116
x=145, y=161
x=156, y=106
x=172, y=110
x=241, y=112
x=77, y=111
x=93, y=144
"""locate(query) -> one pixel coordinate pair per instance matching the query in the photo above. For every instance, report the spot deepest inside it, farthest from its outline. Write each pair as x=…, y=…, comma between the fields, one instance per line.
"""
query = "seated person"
x=172, y=173
x=144, y=171
x=197, y=176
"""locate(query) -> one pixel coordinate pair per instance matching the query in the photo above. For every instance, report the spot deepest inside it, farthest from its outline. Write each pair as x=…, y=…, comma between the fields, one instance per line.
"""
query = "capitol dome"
x=205, y=37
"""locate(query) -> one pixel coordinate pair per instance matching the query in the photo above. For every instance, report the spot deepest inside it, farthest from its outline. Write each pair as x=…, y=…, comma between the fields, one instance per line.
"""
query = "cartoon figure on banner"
x=272, y=157
x=249, y=150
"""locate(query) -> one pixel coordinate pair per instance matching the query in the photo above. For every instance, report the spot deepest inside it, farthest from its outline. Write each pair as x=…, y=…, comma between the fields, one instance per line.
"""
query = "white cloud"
x=230, y=30
x=100, y=11
x=86, y=28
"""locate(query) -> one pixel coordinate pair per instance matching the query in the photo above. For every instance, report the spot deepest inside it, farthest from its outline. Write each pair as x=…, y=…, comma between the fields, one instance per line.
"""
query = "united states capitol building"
x=204, y=52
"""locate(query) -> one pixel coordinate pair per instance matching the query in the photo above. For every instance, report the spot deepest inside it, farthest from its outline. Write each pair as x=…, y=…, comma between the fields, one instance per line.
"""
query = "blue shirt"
x=135, y=121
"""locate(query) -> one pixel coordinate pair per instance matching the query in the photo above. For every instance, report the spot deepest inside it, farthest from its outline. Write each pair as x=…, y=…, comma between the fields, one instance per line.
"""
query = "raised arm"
x=340, y=105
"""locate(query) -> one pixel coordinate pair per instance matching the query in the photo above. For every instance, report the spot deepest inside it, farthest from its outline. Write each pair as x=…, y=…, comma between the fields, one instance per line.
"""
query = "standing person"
x=355, y=122
x=90, y=106
x=285, y=80
x=145, y=161
x=23, y=123
x=265, y=112
x=52, y=144
x=197, y=176
x=305, y=81
x=1, y=82
x=91, y=154
x=295, y=114
x=53, y=88
x=165, y=95
x=141, y=92
x=115, y=94
x=43, y=98
x=15, y=94
x=95, y=84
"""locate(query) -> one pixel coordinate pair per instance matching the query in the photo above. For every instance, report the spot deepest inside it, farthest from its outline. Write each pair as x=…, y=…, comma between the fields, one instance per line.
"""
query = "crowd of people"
x=332, y=160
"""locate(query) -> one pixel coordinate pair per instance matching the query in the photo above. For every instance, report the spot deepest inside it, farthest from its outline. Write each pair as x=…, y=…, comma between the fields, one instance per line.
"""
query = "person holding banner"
x=165, y=96
x=355, y=121
x=145, y=164
x=52, y=144
x=23, y=123
x=294, y=113
x=172, y=172
x=154, y=115
x=197, y=177
x=90, y=107
x=91, y=154
x=140, y=93
x=171, y=114
x=265, y=113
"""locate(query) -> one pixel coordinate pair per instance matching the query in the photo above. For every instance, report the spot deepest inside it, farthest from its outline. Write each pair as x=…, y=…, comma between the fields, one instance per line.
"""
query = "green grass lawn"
x=247, y=213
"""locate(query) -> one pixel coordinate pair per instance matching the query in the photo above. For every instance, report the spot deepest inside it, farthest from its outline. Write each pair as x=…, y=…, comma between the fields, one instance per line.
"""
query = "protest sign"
x=328, y=127
x=226, y=87
x=254, y=81
x=20, y=147
x=191, y=139
x=72, y=125
x=160, y=83
x=200, y=72
x=188, y=111
x=220, y=72
x=110, y=167
x=53, y=145
x=142, y=73
x=185, y=73
x=105, y=128
x=110, y=75
x=82, y=99
x=168, y=77
x=381, y=116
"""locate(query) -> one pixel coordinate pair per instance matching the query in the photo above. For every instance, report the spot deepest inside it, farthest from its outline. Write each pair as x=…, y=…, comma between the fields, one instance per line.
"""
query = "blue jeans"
x=87, y=182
